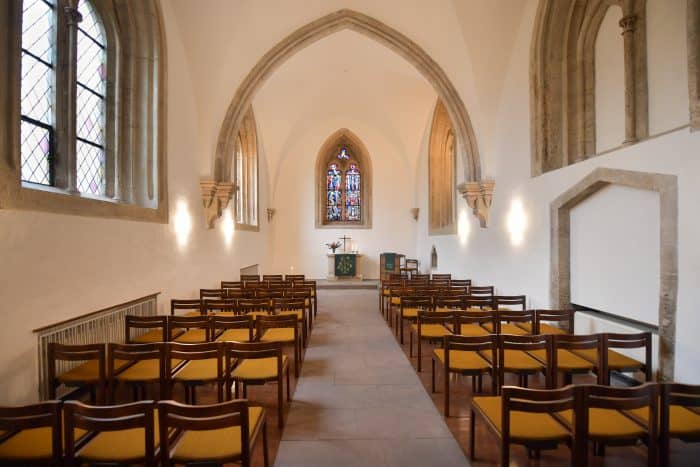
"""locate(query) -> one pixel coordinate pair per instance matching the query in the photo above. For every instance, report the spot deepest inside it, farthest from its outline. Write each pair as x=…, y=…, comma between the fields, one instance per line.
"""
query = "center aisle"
x=358, y=401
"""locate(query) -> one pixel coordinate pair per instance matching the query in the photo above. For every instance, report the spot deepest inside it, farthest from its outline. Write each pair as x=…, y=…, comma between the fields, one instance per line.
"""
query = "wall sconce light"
x=479, y=197
x=270, y=214
x=414, y=213
x=215, y=198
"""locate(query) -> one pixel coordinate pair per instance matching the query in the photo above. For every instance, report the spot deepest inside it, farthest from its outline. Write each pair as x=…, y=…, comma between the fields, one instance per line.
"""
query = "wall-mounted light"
x=228, y=228
x=182, y=223
x=517, y=222
x=463, y=227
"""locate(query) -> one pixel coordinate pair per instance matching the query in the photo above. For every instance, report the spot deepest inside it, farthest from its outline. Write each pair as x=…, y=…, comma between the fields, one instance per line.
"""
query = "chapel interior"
x=350, y=232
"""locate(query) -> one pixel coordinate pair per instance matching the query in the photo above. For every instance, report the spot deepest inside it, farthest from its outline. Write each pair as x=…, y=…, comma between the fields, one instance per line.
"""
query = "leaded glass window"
x=343, y=188
x=37, y=90
x=246, y=173
x=90, y=105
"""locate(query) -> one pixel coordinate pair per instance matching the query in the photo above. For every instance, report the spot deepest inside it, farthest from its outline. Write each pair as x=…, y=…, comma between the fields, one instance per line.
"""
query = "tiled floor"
x=358, y=401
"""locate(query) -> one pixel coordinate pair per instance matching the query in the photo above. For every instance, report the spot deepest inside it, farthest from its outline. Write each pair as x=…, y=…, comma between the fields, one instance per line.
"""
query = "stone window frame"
x=329, y=149
x=136, y=169
x=693, y=18
x=562, y=79
x=442, y=167
x=560, y=246
x=247, y=184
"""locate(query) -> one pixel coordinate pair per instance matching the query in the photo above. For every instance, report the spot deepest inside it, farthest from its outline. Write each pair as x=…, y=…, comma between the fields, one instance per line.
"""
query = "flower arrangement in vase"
x=333, y=246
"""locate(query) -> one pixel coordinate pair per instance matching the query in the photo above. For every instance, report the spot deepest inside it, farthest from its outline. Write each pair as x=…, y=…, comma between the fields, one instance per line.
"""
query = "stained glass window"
x=343, y=188
x=37, y=89
x=90, y=105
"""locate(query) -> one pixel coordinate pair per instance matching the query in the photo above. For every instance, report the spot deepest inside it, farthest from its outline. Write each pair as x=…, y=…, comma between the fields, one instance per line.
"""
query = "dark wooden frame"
x=192, y=352
x=13, y=420
x=75, y=352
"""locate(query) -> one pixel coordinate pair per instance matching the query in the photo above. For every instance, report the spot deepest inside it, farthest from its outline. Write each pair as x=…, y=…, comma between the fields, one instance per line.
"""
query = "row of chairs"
x=272, y=277
x=577, y=415
x=145, y=432
x=551, y=355
x=242, y=289
x=226, y=364
x=454, y=297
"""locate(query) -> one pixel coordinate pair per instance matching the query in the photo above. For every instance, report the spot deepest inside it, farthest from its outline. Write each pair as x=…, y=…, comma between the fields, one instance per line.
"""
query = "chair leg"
x=236, y=383
x=400, y=323
x=266, y=455
x=418, y=344
x=410, y=344
x=432, y=375
x=505, y=454
x=245, y=390
x=472, y=436
x=289, y=397
x=446, y=376
x=280, y=400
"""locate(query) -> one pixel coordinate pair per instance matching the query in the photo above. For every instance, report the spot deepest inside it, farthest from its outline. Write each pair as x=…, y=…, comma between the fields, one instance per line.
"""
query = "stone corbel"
x=414, y=213
x=215, y=198
x=270, y=214
x=479, y=196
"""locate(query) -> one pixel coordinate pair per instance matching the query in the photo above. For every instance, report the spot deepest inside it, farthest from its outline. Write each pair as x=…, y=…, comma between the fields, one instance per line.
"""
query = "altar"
x=343, y=266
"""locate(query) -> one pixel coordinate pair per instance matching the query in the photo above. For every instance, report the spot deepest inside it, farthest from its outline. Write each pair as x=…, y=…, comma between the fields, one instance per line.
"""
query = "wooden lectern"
x=389, y=263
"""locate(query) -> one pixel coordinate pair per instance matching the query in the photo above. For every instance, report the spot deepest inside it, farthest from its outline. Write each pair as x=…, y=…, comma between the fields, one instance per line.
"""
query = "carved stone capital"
x=270, y=214
x=73, y=15
x=479, y=197
x=627, y=23
x=215, y=198
x=414, y=213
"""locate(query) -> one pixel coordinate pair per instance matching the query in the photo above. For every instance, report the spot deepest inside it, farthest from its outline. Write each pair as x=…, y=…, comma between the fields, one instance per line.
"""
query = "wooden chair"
x=91, y=373
x=294, y=277
x=430, y=326
x=463, y=355
x=314, y=296
x=679, y=416
x=157, y=327
x=507, y=322
x=482, y=291
x=31, y=434
x=564, y=320
x=394, y=301
x=606, y=420
x=385, y=294
x=514, y=356
x=146, y=365
x=231, y=284
x=442, y=277
x=194, y=306
x=615, y=361
x=472, y=323
x=203, y=364
x=273, y=277
x=408, y=310
x=460, y=283
x=197, y=329
x=253, y=363
x=255, y=307
x=211, y=434
x=451, y=291
x=211, y=294
x=303, y=293
x=226, y=307
x=119, y=434
x=530, y=417
x=237, y=294
x=568, y=363
x=509, y=302
x=282, y=329
x=250, y=278
x=478, y=303
x=449, y=303
x=233, y=328
x=294, y=307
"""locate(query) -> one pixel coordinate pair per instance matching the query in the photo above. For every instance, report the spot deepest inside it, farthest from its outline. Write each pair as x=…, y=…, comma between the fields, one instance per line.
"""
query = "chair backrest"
x=442, y=283
x=269, y=293
x=185, y=304
x=674, y=394
x=432, y=317
x=263, y=322
x=289, y=304
x=219, y=306
x=233, y=294
x=509, y=301
x=145, y=322
x=237, y=351
x=514, y=316
x=221, y=323
x=630, y=341
x=203, y=351
x=249, y=305
x=417, y=301
x=544, y=401
x=133, y=353
x=109, y=418
x=481, y=290
x=454, y=302
x=250, y=278
x=176, y=417
x=460, y=282
x=463, y=317
x=294, y=277
x=452, y=291
x=397, y=277
x=578, y=342
x=527, y=343
x=442, y=276
x=273, y=277
x=479, y=302
x=46, y=414
x=215, y=294
x=76, y=353
x=565, y=317
x=298, y=293
x=188, y=322
x=231, y=284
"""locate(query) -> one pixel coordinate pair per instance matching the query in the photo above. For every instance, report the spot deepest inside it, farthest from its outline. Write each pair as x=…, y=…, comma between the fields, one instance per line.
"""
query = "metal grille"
x=37, y=91
x=105, y=326
x=90, y=105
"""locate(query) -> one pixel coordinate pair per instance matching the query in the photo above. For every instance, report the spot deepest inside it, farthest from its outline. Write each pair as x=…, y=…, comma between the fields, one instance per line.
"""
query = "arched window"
x=85, y=120
x=246, y=174
x=343, y=170
x=441, y=173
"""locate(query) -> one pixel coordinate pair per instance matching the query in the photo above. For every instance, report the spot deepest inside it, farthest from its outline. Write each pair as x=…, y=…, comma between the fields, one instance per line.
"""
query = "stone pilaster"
x=628, y=23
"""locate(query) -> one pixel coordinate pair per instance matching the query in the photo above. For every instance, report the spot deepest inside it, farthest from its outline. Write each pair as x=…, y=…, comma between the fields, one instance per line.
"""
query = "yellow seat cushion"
x=506, y=328
x=193, y=336
x=410, y=313
x=517, y=360
x=219, y=444
x=683, y=422
x=396, y=300
x=461, y=360
x=120, y=445
x=144, y=370
x=255, y=314
x=307, y=302
x=223, y=313
x=616, y=361
x=566, y=360
x=386, y=293
x=238, y=335
x=88, y=372
x=608, y=423
x=472, y=330
x=549, y=329
x=34, y=443
x=523, y=425
x=430, y=331
x=258, y=368
x=154, y=335
x=278, y=335
x=193, y=313
x=198, y=370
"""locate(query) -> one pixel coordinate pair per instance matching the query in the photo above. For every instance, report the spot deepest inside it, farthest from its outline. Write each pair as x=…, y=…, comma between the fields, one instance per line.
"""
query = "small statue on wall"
x=433, y=258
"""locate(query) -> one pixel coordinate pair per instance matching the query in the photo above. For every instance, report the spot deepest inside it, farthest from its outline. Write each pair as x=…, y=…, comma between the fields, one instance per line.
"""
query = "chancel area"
x=349, y=232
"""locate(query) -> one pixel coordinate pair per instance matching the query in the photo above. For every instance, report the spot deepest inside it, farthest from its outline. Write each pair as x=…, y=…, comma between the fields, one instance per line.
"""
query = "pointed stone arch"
x=374, y=29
